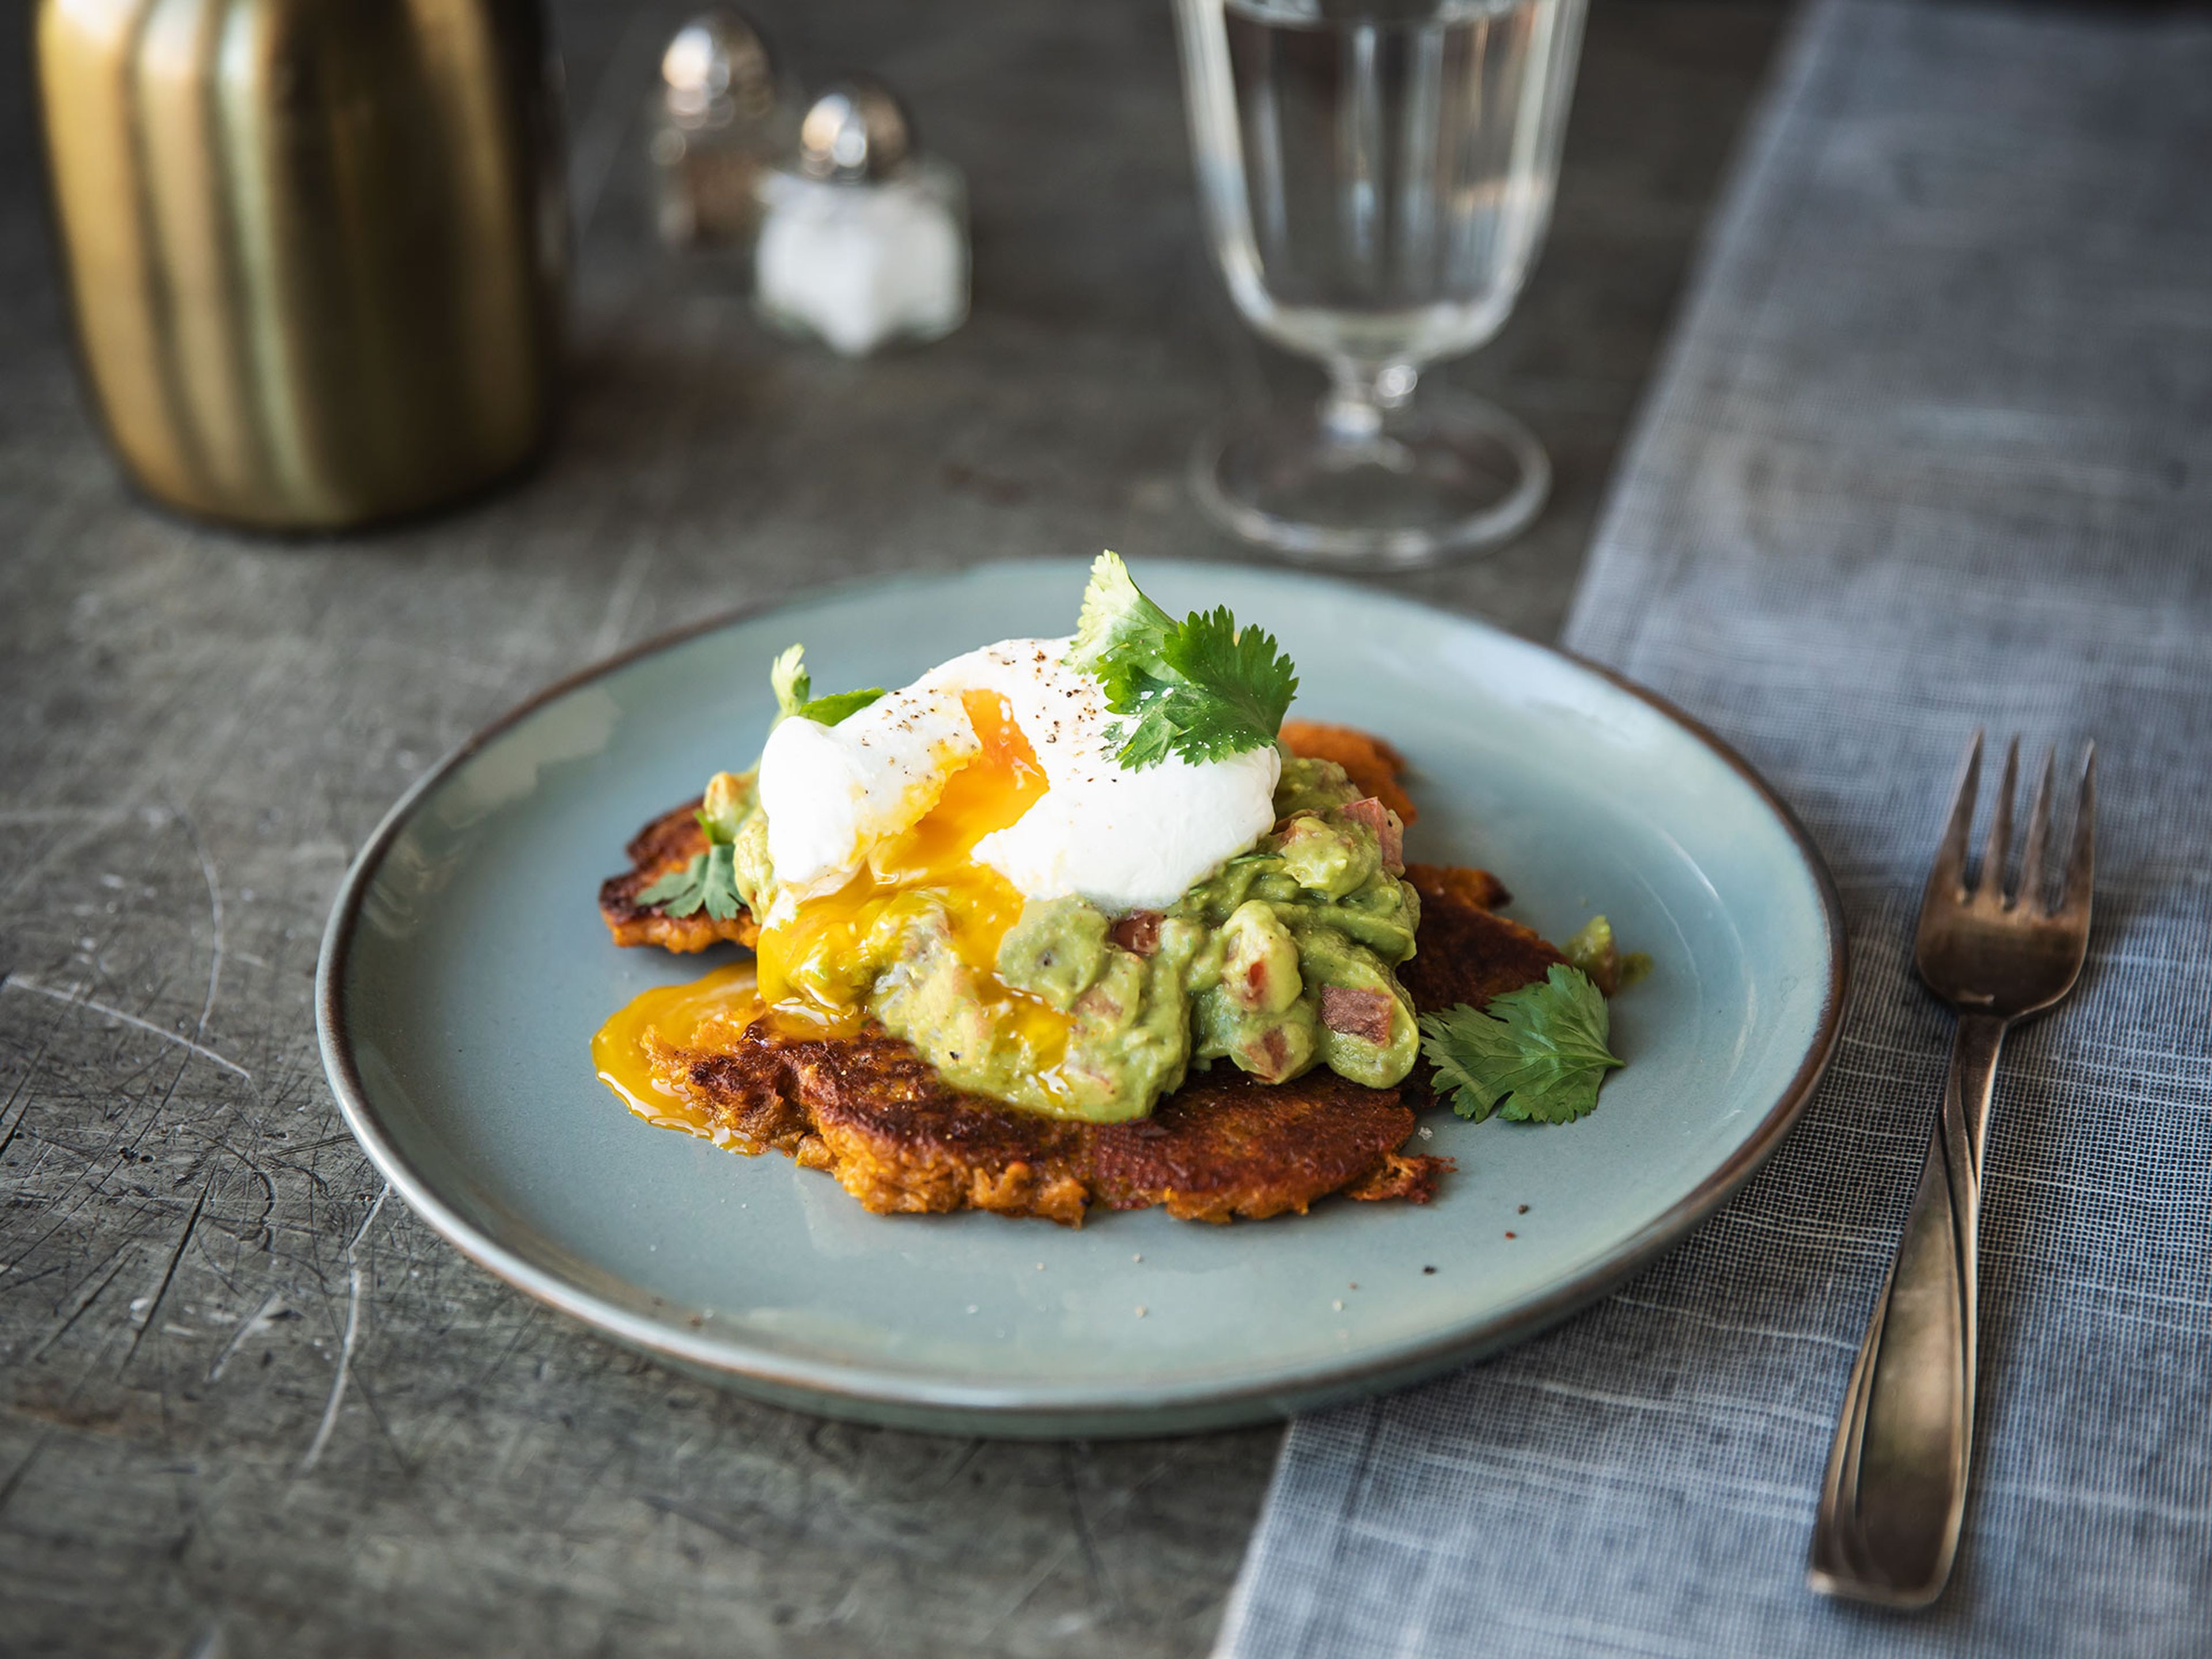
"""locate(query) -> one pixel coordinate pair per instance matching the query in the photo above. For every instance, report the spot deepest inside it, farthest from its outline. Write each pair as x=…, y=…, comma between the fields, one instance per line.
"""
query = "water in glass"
x=1376, y=177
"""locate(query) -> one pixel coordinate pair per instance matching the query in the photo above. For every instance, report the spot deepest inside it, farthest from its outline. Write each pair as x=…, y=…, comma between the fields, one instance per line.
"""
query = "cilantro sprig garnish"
x=1202, y=688
x=1537, y=1055
x=709, y=880
x=794, y=692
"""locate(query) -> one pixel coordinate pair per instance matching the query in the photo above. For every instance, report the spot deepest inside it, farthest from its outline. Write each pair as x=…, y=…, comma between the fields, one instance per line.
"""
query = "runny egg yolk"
x=679, y=1015
x=808, y=962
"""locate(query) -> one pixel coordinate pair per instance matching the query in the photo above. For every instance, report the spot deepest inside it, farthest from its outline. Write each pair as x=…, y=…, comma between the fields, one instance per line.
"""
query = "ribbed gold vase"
x=316, y=248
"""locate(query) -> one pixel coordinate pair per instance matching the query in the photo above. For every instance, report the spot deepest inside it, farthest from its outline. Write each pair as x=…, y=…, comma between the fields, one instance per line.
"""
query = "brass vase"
x=316, y=248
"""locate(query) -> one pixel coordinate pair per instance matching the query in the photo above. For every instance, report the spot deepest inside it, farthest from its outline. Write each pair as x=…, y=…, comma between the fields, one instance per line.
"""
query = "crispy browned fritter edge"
x=667, y=844
x=872, y=1112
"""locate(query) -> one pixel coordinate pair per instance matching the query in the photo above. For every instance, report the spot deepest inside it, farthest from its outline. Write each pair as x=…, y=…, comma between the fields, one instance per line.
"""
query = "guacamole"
x=1281, y=961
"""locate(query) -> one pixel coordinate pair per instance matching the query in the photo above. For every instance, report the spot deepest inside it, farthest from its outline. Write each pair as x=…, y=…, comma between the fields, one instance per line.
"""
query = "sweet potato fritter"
x=1476, y=887
x=1464, y=951
x=667, y=844
x=871, y=1111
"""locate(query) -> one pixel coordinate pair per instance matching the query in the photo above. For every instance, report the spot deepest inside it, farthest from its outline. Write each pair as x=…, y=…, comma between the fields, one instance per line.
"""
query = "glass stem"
x=1360, y=395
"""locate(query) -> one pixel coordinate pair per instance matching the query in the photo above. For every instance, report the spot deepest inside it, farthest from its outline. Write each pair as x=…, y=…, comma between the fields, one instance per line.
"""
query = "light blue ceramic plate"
x=465, y=969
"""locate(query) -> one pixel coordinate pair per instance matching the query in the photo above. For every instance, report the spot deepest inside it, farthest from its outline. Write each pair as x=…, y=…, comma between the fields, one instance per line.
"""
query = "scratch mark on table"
x=18, y=982
x=599, y=135
x=968, y=1454
x=215, y=913
x=622, y=598
x=77, y=1312
x=259, y=1320
x=31, y=815
x=15, y=1475
x=168, y=1274
x=32, y=868
x=1035, y=1582
x=697, y=1516
x=352, y=1335
x=1095, y=1569
x=29, y=1071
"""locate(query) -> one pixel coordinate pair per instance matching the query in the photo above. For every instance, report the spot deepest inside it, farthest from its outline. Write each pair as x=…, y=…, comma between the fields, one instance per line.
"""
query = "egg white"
x=1123, y=840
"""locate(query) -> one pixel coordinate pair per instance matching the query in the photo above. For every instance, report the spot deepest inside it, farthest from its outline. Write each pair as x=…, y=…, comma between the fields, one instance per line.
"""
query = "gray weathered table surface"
x=245, y=1408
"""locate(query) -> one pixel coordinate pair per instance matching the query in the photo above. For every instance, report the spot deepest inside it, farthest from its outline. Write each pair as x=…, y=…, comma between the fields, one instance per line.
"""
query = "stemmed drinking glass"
x=1376, y=177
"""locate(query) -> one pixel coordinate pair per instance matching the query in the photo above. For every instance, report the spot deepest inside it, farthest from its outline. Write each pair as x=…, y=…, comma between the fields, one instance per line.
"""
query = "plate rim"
x=978, y=1406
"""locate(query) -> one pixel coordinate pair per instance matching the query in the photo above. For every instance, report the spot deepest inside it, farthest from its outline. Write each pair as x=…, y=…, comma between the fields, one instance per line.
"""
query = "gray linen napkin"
x=1933, y=449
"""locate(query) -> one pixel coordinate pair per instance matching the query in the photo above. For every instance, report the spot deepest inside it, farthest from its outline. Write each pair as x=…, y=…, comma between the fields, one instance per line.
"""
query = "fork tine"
x=2081, y=863
x=1989, y=879
x=2032, y=887
x=1946, y=877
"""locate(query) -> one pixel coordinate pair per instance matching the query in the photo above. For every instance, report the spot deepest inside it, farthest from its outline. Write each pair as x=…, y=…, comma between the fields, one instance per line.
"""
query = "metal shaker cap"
x=855, y=129
x=720, y=58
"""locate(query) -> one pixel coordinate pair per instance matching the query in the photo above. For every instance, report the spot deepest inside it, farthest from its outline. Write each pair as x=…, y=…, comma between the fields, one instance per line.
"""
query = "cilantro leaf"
x=1202, y=688
x=791, y=681
x=1537, y=1055
x=1244, y=672
x=1117, y=616
x=794, y=692
x=834, y=707
x=709, y=879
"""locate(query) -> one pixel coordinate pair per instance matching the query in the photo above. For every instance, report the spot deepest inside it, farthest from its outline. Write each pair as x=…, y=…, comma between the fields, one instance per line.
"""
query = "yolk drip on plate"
x=680, y=1014
x=808, y=963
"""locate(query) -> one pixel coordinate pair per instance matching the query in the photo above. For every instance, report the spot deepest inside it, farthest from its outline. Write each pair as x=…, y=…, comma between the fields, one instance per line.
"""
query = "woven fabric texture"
x=1932, y=450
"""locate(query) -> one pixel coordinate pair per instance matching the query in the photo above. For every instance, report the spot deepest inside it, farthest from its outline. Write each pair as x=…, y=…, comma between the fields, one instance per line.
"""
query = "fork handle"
x=1896, y=1487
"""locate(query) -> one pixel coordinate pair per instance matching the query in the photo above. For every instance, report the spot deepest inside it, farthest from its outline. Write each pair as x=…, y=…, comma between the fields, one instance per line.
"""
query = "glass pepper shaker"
x=722, y=119
x=865, y=240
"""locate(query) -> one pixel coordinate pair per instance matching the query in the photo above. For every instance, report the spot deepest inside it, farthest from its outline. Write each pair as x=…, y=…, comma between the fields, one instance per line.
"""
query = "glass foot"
x=1446, y=477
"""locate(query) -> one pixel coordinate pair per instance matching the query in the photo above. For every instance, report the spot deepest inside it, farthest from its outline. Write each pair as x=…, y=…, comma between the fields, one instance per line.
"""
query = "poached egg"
x=991, y=781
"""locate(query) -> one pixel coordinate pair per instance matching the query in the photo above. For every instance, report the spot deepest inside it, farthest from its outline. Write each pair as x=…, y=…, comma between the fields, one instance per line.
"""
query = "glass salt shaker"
x=864, y=241
x=723, y=119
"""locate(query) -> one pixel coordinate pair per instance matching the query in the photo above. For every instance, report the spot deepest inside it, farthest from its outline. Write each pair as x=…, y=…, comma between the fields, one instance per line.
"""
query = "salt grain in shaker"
x=865, y=240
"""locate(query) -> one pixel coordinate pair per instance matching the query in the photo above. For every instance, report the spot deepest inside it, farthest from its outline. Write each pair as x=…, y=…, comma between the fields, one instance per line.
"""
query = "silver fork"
x=1896, y=1487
